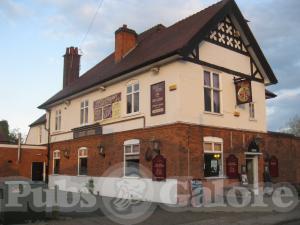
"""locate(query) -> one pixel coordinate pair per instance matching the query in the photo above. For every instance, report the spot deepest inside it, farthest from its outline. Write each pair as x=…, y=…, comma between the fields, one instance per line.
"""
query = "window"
x=133, y=98
x=213, y=157
x=251, y=110
x=56, y=161
x=58, y=120
x=82, y=161
x=131, y=158
x=212, y=92
x=84, y=112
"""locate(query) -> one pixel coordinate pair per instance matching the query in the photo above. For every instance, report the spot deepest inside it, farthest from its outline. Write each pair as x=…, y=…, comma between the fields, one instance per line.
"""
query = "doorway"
x=252, y=171
x=37, y=171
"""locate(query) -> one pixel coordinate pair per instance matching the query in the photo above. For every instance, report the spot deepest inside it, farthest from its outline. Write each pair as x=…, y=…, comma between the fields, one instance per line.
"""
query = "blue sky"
x=35, y=33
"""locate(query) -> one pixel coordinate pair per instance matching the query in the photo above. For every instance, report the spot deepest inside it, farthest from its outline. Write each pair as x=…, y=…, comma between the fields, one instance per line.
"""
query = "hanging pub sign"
x=243, y=91
x=159, y=168
x=109, y=107
x=273, y=167
x=158, y=99
x=232, y=167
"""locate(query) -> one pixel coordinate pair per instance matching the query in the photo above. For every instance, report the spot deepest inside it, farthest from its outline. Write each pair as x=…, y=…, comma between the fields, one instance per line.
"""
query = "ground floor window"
x=131, y=158
x=82, y=161
x=213, y=157
x=56, y=162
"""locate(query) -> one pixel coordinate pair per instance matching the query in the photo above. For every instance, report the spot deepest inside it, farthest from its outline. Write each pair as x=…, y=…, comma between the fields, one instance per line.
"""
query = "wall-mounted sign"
x=159, y=168
x=94, y=129
x=243, y=91
x=273, y=167
x=158, y=99
x=232, y=167
x=109, y=107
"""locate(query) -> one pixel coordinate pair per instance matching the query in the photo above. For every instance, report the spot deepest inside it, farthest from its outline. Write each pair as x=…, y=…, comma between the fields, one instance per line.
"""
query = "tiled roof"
x=153, y=45
x=39, y=121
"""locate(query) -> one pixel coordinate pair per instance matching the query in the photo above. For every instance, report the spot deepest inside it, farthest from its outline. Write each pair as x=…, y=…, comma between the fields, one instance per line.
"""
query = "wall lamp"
x=101, y=150
x=156, y=145
x=67, y=154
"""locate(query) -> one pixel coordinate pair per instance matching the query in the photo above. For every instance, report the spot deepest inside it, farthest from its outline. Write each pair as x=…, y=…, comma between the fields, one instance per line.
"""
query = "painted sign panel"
x=273, y=165
x=158, y=99
x=109, y=107
x=159, y=168
x=232, y=167
x=243, y=91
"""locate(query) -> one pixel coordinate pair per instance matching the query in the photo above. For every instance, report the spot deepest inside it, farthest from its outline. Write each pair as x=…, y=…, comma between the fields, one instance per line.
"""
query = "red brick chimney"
x=71, y=66
x=125, y=40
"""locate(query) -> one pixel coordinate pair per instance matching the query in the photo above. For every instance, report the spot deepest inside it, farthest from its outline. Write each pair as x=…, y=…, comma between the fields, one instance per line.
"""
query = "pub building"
x=187, y=102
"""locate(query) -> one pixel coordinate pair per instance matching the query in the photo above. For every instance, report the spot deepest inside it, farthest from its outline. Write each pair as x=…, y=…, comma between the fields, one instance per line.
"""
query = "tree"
x=294, y=126
x=10, y=136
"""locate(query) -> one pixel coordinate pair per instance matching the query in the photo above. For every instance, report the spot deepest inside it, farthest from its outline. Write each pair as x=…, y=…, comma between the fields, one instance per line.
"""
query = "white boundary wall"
x=135, y=188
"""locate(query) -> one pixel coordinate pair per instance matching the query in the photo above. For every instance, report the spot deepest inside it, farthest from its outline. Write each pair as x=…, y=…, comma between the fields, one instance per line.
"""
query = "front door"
x=252, y=172
x=37, y=171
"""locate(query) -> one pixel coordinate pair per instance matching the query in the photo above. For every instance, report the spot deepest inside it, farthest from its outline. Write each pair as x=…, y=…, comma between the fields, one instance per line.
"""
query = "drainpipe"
x=19, y=147
x=48, y=147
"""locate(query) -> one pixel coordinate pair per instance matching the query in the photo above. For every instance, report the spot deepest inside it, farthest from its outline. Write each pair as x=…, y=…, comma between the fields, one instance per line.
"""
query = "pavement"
x=163, y=217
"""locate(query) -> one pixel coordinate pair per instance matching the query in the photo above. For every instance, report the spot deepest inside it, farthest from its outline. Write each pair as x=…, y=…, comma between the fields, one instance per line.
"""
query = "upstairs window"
x=251, y=111
x=133, y=98
x=212, y=92
x=131, y=158
x=58, y=119
x=40, y=134
x=82, y=161
x=84, y=112
x=56, y=162
x=213, y=157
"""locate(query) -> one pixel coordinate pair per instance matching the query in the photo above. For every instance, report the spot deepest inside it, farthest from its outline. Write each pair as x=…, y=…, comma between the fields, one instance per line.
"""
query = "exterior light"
x=67, y=154
x=217, y=156
x=156, y=145
x=101, y=150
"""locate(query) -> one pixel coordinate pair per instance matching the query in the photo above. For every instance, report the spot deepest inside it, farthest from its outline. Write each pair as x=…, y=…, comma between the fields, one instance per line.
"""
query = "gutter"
x=117, y=78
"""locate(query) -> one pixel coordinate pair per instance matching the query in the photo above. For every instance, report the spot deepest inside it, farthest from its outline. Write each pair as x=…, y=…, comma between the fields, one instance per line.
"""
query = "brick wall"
x=182, y=145
x=9, y=165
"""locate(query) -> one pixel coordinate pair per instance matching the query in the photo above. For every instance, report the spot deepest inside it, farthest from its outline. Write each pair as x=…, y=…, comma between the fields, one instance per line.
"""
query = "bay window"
x=212, y=92
x=131, y=158
x=213, y=157
x=133, y=98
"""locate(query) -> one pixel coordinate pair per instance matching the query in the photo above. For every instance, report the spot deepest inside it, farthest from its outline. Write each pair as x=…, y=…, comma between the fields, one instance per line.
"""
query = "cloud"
x=12, y=10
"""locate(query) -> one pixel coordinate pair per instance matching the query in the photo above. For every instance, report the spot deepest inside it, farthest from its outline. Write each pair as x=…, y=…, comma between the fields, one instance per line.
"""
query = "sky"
x=35, y=34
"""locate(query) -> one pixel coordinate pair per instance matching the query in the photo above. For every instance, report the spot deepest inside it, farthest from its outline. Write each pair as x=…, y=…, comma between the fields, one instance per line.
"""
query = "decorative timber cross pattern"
x=227, y=36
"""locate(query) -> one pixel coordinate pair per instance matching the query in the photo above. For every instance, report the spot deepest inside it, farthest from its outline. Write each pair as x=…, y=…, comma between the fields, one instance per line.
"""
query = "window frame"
x=252, y=111
x=132, y=93
x=214, y=141
x=83, y=156
x=212, y=90
x=131, y=143
x=56, y=156
x=58, y=120
x=84, y=112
